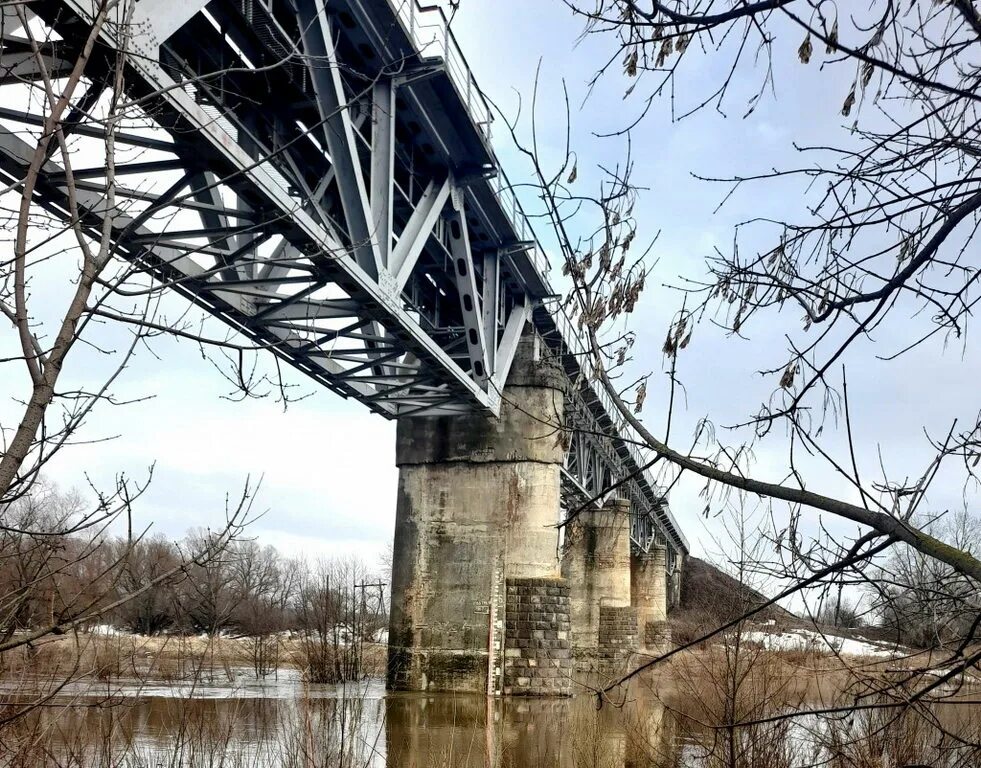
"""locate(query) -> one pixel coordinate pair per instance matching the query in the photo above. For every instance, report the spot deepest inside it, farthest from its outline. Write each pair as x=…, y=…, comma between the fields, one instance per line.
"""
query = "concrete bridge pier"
x=477, y=600
x=596, y=563
x=648, y=594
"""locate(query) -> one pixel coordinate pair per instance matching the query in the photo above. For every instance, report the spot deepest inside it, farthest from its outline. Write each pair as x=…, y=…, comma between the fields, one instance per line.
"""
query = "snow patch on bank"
x=106, y=629
x=816, y=642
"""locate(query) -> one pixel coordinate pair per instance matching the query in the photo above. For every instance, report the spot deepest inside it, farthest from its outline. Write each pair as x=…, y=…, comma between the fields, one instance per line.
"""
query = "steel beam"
x=490, y=299
x=515, y=326
x=382, y=164
x=325, y=73
x=156, y=20
x=417, y=231
x=466, y=286
x=314, y=309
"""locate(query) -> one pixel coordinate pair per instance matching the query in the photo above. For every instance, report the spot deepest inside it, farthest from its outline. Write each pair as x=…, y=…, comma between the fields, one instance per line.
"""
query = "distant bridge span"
x=322, y=179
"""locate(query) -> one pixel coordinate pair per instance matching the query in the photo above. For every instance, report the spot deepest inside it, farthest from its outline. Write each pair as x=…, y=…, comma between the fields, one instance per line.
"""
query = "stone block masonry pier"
x=537, y=652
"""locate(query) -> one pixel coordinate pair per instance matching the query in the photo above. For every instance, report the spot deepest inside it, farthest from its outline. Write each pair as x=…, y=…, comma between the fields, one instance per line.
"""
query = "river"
x=282, y=721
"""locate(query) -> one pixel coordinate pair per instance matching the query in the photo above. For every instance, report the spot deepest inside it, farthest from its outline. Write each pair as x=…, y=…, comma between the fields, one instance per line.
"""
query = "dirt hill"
x=709, y=597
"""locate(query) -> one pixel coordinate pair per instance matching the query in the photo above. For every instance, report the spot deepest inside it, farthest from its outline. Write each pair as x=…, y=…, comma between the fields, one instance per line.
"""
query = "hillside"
x=710, y=596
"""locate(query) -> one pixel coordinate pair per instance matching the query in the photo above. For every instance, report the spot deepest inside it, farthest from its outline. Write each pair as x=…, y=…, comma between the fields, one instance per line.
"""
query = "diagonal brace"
x=339, y=132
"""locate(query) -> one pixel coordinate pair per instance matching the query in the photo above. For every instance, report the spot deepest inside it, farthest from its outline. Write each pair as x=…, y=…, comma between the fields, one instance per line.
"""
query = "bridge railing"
x=429, y=29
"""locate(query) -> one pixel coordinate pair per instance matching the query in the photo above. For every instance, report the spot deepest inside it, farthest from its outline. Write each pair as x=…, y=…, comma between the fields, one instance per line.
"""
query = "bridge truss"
x=319, y=175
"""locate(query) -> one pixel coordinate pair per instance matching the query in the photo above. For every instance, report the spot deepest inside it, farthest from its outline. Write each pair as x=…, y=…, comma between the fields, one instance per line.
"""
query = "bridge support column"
x=596, y=564
x=648, y=594
x=475, y=572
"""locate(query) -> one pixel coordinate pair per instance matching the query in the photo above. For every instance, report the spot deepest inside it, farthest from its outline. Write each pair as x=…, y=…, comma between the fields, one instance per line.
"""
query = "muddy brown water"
x=285, y=722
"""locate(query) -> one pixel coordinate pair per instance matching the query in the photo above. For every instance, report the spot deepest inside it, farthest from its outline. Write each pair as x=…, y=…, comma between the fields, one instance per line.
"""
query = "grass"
x=166, y=658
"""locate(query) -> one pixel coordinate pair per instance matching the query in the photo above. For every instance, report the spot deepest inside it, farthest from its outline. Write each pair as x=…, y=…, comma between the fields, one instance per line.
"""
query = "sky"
x=328, y=480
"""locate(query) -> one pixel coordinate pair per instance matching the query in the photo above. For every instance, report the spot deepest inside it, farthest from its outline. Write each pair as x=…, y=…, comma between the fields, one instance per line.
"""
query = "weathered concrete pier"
x=485, y=595
x=477, y=599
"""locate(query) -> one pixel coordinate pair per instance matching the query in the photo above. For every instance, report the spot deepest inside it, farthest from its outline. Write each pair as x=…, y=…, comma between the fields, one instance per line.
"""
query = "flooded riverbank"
x=286, y=722
x=282, y=721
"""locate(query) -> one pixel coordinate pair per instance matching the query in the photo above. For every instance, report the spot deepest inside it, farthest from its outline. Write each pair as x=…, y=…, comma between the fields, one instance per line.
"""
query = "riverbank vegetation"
x=81, y=607
x=49, y=567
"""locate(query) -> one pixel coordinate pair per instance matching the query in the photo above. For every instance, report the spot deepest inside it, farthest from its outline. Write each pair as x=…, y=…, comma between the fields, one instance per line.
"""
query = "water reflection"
x=472, y=732
x=305, y=725
x=288, y=724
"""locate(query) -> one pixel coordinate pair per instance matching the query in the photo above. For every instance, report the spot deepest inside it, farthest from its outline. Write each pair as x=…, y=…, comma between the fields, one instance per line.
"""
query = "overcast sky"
x=327, y=464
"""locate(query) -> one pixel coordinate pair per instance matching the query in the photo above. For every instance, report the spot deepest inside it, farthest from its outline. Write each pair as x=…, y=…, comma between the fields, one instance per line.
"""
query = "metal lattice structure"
x=319, y=175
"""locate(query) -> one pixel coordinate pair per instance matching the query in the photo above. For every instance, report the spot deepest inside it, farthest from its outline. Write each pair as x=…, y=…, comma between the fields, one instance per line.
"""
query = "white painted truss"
x=318, y=174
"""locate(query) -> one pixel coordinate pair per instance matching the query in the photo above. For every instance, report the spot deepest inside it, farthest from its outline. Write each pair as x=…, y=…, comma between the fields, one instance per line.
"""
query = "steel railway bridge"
x=319, y=175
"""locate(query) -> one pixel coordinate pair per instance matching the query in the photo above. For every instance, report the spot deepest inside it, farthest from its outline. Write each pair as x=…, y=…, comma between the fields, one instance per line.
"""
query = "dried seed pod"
x=805, y=50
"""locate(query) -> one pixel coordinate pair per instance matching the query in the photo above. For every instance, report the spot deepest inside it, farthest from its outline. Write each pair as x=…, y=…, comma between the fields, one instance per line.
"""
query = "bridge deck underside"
x=311, y=177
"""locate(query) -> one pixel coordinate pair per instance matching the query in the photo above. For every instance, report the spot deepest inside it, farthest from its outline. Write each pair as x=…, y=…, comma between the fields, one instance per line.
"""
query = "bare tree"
x=32, y=551
x=51, y=372
x=880, y=228
x=211, y=594
x=60, y=364
x=926, y=603
x=265, y=585
x=336, y=613
x=143, y=563
x=886, y=235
